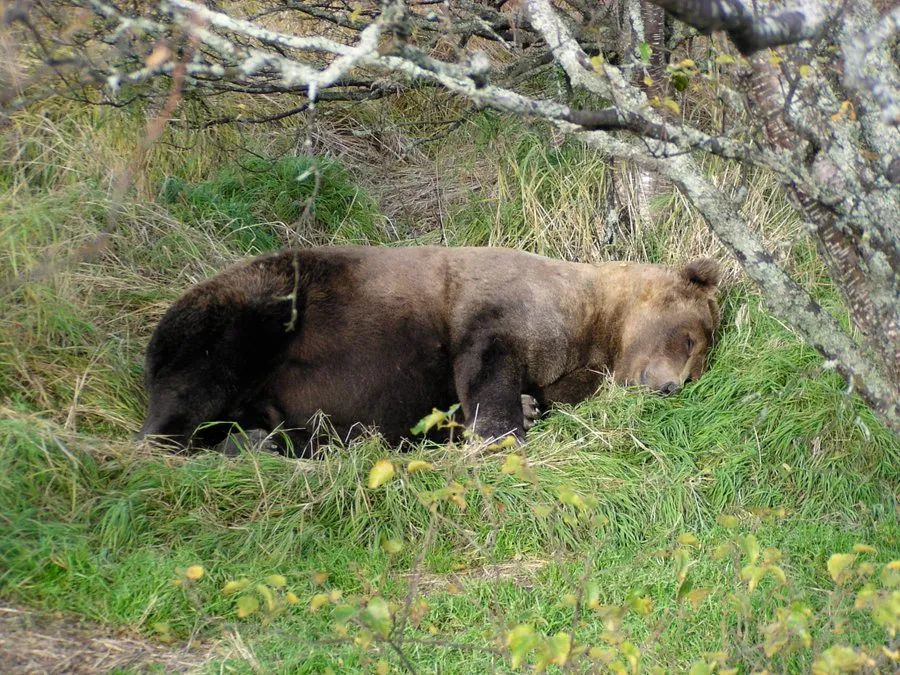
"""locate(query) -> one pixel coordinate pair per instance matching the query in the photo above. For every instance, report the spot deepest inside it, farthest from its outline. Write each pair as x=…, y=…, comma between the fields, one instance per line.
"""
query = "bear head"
x=667, y=330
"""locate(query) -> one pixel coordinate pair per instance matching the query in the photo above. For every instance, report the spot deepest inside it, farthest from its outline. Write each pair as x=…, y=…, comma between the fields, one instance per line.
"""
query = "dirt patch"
x=522, y=572
x=35, y=642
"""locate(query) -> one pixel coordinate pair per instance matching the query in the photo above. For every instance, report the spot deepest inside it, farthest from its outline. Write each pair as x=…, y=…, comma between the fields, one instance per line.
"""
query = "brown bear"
x=377, y=337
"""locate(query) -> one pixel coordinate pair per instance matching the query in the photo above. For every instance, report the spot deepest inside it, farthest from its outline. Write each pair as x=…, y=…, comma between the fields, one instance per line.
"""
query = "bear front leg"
x=488, y=378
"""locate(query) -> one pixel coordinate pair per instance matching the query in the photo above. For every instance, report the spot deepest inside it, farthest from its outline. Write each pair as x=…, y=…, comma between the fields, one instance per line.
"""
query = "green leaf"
x=838, y=659
x=672, y=105
x=728, y=522
x=276, y=581
x=680, y=80
x=392, y=546
x=752, y=575
x=342, y=613
x=682, y=558
x=568, y=496
x=378, y=615
x=645, y=51
x=890, y=575
x=429, y=422
x=684, y=588
x=437, y=418
x=246, y=605
x=700, y=668
x=750, y=546
x=559, y=648
x=520, y=640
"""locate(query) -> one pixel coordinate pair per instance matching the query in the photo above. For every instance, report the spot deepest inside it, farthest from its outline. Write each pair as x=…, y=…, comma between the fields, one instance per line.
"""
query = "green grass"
x=247, y=200
x=93, y=524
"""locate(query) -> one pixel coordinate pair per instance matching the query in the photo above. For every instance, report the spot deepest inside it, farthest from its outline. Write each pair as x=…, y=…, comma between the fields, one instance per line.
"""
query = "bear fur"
x=378, y=337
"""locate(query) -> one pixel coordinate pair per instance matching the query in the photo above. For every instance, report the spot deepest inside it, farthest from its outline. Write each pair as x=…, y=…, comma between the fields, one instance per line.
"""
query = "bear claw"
x=530, y=412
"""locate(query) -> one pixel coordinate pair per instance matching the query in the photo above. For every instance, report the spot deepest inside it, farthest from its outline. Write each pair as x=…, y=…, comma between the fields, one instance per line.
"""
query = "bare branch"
x=751, y=32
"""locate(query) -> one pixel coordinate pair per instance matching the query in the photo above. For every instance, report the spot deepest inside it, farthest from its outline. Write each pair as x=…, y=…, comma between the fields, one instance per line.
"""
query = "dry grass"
x=37, y=643
x=521, y=572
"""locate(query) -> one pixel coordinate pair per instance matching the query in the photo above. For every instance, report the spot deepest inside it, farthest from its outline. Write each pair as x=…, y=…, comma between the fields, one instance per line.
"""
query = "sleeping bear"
x=378, y=337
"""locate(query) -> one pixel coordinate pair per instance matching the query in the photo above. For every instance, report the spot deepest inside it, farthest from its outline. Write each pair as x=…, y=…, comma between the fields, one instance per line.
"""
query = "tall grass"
x=93, y=523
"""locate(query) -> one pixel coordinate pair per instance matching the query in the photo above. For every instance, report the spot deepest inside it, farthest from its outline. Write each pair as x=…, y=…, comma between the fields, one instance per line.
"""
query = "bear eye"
x=690, y=344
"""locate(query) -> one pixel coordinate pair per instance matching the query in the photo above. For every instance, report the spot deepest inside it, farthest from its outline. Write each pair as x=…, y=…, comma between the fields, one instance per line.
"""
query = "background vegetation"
x=606, y=511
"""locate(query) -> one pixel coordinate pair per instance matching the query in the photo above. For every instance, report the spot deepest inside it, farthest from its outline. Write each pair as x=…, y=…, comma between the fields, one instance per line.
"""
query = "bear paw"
x=530, y=411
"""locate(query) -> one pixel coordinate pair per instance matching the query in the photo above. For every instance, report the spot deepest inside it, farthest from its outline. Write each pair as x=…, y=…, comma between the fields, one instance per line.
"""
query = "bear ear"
x=703, y=272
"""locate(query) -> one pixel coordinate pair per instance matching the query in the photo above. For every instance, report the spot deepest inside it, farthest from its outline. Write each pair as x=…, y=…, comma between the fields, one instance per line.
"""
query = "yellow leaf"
x=774, y=59
x=276, y=581
x=864, y=548
x=697, y=596
x=778, y=573
x=597, y=62
x=291, y=598
x=685, y=64
x=505, y=442
x=419, y=465
x=383, y=667
x=568, y=496
x=845, y=110
x=642, y=605
x=729, y=522
x=864, y=598
x=688, y=539
x=648, y=81
x=194, y=572
x=392, y=546
x=725, y=59
x=267, y=595
x=319, y=578
x=805, y=70
x=560, y=646
x=838, y=565
x=512, y=464
x=672, y=105
x=246, y=605
x=890, y=575
x=232, y=587
x=381, y=473
x=838, y=659
x=318, y=600
x=723, y=550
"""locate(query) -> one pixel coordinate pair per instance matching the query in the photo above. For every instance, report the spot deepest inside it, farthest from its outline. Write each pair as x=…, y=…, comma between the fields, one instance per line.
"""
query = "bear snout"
x=659, y=382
